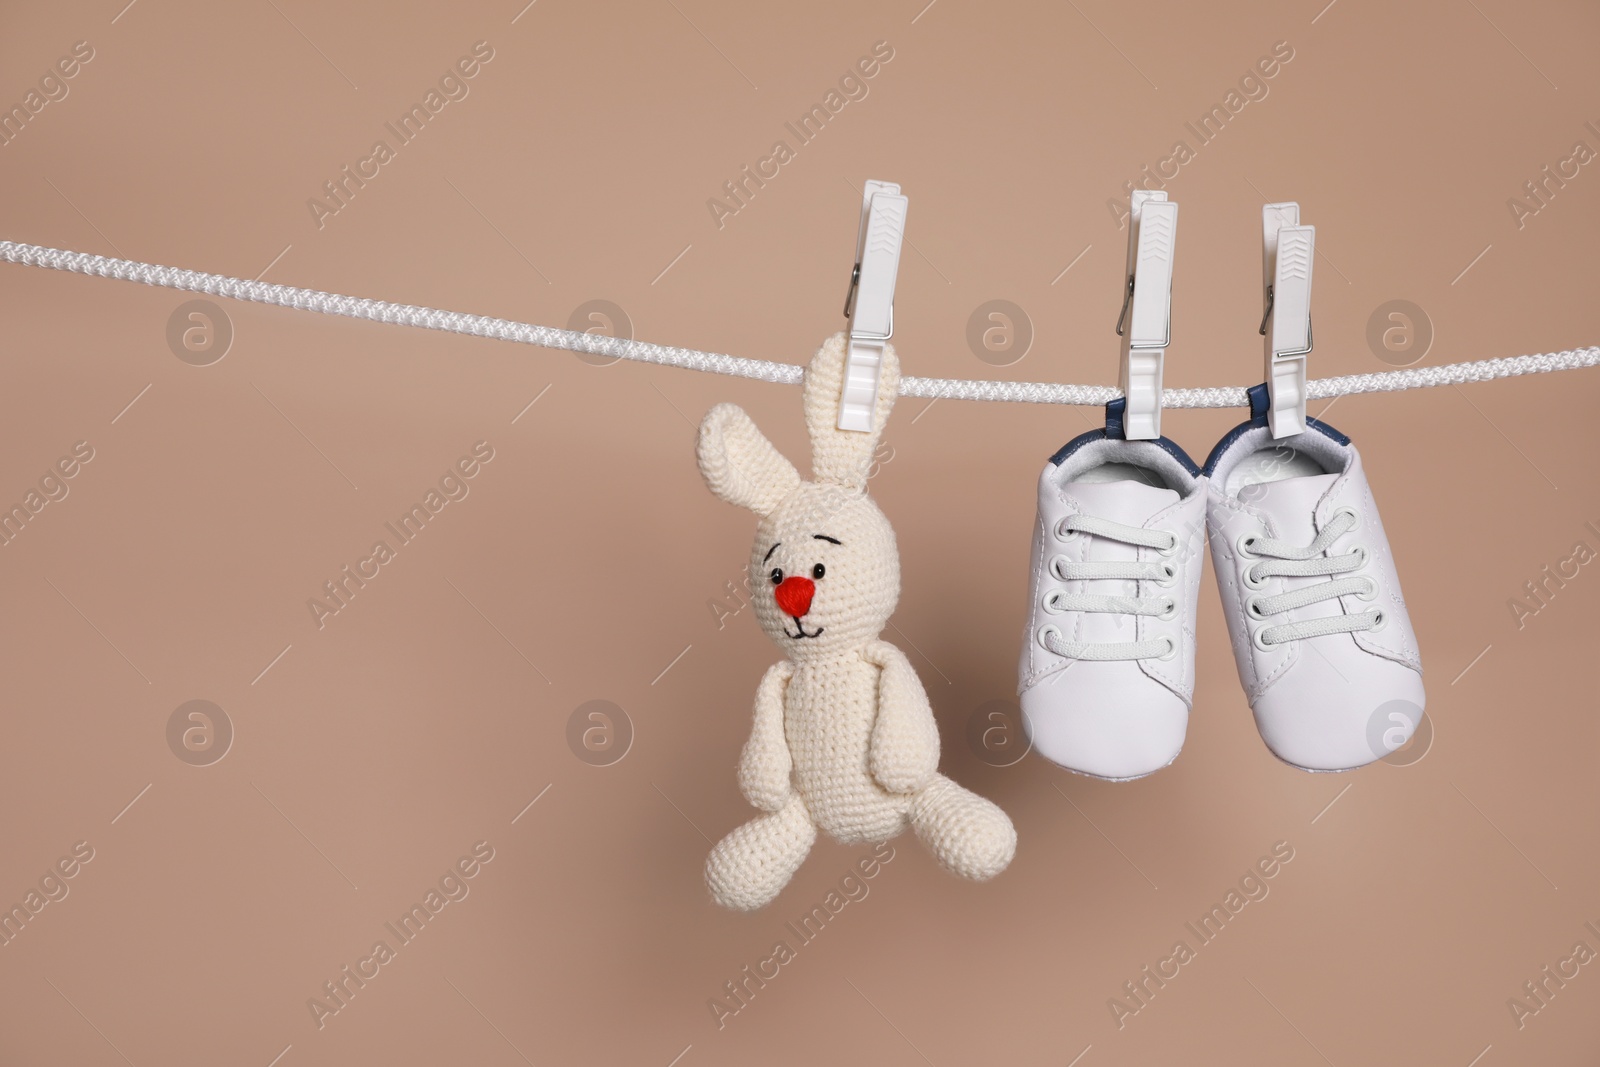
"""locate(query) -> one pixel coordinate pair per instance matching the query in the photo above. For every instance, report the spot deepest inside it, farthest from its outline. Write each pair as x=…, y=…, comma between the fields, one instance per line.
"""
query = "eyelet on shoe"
x=1170, y=612
x=1171, y=550
x=1360, y=550
x=1379, y=621
x=1242, y=546
x=1258, y=639
x=1371, y=594
x=1250, y=580
x=1171, y=652
x=1252, y=607
x=1062, y=533
x=1352, y=512
x=1055, y=567
x=1170, y=578
x=1048, y=603
x=1045, y=631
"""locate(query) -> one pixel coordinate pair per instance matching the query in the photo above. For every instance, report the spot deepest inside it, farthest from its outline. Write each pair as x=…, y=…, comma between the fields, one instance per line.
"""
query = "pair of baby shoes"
x=1321, y=637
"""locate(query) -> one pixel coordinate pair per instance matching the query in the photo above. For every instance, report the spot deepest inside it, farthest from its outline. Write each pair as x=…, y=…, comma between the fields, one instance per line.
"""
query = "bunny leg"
x=969, y=835
x=753, y=863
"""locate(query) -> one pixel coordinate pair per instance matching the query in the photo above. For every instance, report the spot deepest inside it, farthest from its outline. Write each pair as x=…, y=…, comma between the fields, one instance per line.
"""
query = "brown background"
x=430, y=712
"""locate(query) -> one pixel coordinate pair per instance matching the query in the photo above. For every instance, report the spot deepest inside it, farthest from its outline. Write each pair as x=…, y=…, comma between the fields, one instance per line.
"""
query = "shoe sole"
x=1129, y=778
x=1321, y=770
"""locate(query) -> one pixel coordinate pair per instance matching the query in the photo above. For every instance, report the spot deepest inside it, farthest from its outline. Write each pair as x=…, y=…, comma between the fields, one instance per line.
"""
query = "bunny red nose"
x=794, y=595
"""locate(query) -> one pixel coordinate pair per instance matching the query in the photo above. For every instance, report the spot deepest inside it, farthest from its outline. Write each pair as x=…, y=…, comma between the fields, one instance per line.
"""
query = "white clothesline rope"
x=758, y=369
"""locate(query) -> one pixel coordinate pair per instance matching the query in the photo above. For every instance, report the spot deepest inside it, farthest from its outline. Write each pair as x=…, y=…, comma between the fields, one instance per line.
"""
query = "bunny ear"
x=739, y=464
x=843, y=457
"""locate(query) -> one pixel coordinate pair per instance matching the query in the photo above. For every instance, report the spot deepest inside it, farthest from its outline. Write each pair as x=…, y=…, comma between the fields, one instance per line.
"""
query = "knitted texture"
x=843, y=738
x=843, y=457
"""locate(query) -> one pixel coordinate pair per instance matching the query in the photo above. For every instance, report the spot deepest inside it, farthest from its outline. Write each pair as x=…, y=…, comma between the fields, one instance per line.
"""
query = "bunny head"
x=824, y=569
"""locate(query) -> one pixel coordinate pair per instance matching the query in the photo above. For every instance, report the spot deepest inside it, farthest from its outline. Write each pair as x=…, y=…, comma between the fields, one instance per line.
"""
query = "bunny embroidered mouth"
x=797, y=636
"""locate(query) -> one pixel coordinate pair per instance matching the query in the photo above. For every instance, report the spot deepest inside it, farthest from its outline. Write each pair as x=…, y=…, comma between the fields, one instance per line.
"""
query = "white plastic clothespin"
x=869, y=304
x=1287, y=252
x=1145, y=324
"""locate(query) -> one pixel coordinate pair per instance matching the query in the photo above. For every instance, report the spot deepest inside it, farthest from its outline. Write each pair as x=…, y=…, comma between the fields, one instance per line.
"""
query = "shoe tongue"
x=1128, y=502
x=1131, y=503
x=1292, y=504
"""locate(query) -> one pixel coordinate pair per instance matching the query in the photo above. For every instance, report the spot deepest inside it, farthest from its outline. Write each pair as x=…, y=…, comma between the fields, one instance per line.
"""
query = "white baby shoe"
x=1107, y=667
x=1324, y=645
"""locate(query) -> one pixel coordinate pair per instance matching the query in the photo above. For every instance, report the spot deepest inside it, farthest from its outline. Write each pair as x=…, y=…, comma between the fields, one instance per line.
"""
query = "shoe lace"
x=1066, y=570
x=1281, y=559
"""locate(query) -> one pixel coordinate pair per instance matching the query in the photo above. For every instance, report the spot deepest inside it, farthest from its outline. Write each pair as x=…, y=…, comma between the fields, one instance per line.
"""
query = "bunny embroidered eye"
x=818, y=571
x=777, y=576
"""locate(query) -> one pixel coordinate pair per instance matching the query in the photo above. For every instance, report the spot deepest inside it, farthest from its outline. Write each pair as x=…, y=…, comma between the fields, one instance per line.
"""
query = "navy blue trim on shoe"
x=1259, y=401
x=1115, y=410
x=1076, y=443
x=1114, y=431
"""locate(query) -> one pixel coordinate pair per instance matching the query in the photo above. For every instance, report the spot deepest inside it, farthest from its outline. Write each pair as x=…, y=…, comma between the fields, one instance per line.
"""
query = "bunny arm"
x=765, y=763
x=904, y=751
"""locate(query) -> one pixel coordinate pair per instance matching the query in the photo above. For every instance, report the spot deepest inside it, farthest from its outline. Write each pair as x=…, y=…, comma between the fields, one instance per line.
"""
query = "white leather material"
x=1321, y=718
x=1125, y=718
x=1315, y=698
x=1105, y=720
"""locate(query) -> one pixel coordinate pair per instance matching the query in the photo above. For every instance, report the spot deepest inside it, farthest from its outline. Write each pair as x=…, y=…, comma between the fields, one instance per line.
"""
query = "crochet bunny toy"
x=844, y=738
